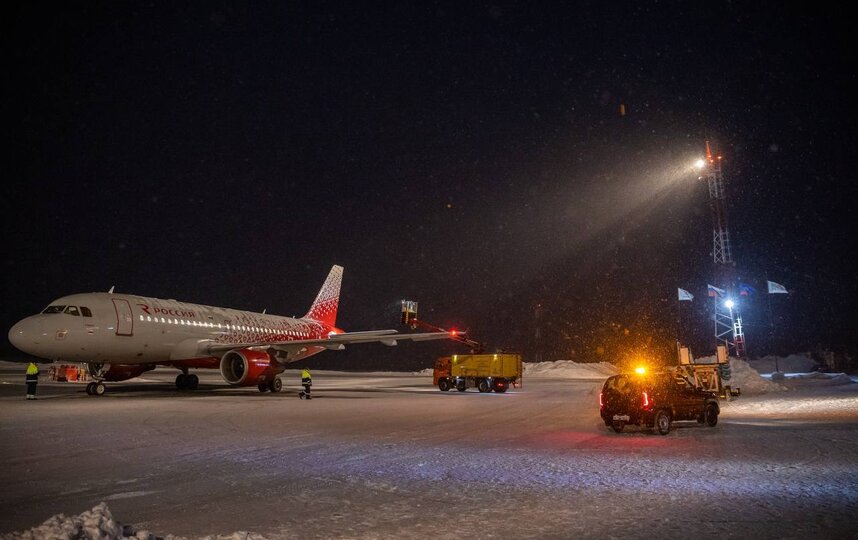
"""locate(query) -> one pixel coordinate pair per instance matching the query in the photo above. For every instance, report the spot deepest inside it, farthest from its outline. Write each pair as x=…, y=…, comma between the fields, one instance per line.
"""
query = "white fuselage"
x=130, y=329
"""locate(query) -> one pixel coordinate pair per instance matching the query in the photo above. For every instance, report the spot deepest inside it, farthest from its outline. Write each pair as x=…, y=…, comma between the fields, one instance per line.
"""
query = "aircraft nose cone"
x=23, y=335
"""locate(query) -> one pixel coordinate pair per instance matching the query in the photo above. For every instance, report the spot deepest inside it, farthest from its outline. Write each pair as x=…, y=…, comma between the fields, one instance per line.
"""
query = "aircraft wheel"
x=89, y=388
x=181, y=381
x=275, y=384
x=98, y=389
x=263, y=387
x=192, y=382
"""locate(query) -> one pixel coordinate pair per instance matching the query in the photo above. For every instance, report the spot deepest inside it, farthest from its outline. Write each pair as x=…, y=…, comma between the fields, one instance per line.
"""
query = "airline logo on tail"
x=324, y=308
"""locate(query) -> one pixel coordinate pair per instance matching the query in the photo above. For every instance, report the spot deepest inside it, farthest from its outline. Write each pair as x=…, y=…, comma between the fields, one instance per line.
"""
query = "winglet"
x=324, y=308
x=111, y=289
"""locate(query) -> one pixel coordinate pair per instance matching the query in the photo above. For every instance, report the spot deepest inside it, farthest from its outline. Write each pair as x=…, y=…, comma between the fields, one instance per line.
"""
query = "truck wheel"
x=483, y=386
x=662, y=422
x=711, y=415
x=460, y=386
x=500, y=389
x=443, y=385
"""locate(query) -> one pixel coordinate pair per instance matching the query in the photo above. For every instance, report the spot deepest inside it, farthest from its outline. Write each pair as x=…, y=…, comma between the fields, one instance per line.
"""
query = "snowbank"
x=567, y=369
x=98, y=523
x=749, y=380
x=794, y=363
x=95, y=523
x=819, y=379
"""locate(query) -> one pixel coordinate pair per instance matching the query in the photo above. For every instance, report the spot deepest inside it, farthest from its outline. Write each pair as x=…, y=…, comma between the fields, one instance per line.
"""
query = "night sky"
x=471, y=157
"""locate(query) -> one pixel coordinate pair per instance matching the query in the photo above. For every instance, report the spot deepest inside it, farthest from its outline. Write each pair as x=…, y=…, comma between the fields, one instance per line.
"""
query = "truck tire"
x=500, y=389
x=711, y=415
x=443, y=384
x=460, y=386
x=483, y=386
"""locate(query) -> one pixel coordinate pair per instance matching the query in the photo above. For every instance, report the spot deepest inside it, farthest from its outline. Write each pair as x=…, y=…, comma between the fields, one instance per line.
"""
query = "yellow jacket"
x=32, y=369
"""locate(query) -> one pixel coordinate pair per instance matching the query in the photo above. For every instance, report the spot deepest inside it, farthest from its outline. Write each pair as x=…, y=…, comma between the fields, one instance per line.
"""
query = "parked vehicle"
x=485, y=372
x=655, y=401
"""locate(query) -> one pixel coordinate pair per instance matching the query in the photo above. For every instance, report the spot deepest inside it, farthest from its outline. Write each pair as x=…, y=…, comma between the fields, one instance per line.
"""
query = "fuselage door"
x=124, y=318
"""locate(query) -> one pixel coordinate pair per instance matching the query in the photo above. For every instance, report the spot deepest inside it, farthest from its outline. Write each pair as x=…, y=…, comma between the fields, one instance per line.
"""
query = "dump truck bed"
x=507, y=366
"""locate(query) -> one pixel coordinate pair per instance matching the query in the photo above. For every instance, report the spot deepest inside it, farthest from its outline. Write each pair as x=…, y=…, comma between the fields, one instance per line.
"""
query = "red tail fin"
x=324, y=308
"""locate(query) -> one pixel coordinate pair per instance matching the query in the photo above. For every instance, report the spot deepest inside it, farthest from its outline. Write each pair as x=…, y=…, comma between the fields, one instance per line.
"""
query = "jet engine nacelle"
x=246, y=367
x=117, y=372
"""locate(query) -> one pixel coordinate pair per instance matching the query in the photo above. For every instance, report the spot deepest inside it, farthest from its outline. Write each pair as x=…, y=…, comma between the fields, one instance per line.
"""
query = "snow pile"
x=98, y=523
x=95, y=523
x=794, y=363
x=567, y=369
x=749, y=380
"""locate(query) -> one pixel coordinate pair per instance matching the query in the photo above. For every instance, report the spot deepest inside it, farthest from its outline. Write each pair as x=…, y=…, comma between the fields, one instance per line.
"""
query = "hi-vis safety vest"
x=306, y=375
x=32, y=369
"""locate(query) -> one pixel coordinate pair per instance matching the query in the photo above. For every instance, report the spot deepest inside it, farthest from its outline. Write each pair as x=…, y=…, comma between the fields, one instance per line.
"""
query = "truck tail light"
x=645, y=402
x=601, y=401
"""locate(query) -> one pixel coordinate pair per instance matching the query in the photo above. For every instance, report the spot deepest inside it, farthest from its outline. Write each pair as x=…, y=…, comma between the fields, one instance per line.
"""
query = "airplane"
x=120, y=336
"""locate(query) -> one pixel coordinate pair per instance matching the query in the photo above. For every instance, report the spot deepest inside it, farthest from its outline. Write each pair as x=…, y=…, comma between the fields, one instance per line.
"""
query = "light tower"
x=728, y=321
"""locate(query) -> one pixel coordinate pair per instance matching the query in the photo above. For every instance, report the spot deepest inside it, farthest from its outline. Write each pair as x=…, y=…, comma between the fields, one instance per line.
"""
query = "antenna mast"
x=728, y=321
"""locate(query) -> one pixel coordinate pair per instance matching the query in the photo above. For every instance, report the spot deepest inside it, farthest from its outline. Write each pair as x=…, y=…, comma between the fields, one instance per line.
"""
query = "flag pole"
x=771, y=322
x=678, y=317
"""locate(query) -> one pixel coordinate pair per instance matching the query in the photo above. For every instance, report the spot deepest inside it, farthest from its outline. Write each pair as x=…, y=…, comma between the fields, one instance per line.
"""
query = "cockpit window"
x=72, y=310
x=54, y=309
x=85, y=311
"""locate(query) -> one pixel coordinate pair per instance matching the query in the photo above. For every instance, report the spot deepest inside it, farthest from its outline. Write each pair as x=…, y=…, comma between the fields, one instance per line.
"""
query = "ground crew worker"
x=307, y=381
x=32, y=380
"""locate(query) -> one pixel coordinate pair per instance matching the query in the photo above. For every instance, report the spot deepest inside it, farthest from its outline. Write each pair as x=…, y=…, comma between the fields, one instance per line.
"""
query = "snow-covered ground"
x=386, y=455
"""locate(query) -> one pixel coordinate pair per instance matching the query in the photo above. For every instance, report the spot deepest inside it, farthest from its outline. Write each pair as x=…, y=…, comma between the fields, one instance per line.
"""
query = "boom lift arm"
x=409, y=318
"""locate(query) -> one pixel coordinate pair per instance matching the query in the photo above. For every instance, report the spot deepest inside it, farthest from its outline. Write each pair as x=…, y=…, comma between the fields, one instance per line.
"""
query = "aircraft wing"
x=334, y=341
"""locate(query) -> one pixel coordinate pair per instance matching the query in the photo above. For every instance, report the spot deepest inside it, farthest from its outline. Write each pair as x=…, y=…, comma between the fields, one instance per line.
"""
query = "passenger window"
x=85, y=311
x=72, y=310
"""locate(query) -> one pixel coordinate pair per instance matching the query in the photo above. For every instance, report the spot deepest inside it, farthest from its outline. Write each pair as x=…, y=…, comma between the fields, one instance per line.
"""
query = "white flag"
x=685, y=295
x=776, y=288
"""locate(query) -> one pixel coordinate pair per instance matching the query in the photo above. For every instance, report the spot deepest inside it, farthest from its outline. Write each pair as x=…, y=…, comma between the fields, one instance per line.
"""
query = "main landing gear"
x=274, y=385
x=185, y=381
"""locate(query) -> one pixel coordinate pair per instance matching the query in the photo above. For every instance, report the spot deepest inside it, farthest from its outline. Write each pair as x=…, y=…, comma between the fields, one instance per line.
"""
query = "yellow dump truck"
x=485, y=372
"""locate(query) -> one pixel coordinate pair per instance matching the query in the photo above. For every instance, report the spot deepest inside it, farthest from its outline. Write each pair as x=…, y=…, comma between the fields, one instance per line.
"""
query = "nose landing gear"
x=97, y=371
x=95, y=388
